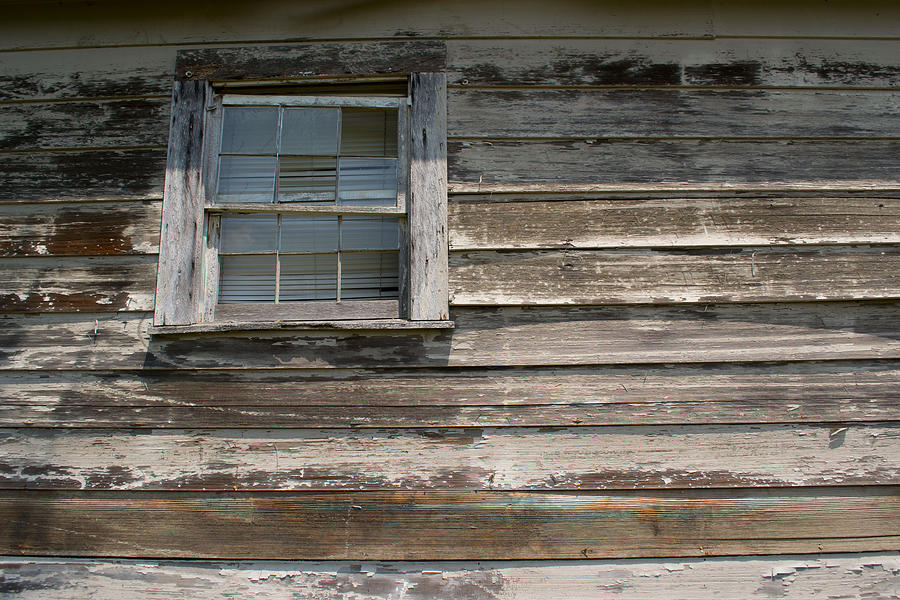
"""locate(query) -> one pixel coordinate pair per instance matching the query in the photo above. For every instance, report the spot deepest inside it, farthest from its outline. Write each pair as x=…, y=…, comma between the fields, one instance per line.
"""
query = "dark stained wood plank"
x=833, y=391
x=305, y=60
x=709, y=62
x=511, y=336
x=146, y=71
x=575, y=458
x=80, y=229
x=756, y=274
x=661, y=113
x=800, y=576
x=86, y=73
x=83, y=176
x=84, y=124
x=848, y=391
x=440, y=525
x=76, y=25
x=838, y=20
x=557, y=166
x=482, y=223
x=77, y=284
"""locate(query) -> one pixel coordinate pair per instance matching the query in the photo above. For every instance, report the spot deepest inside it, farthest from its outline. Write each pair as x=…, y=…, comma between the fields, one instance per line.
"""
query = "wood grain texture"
x=147, y=71
x=791, y=577
x=723, y=62
x=661, y=113
x=592, y=114
x=428, y=277
x=832, y=391
x=484, y=223
x=180, y=276
x=77, y=284
x=306, y=60
x=86, y=73
x=80, y=229
x=112, y=25
x=83, y=176
x=84, y=124
x=440, y=525
x=519, y=336
x=557, y=166
x=756, y=274
x=583, y=458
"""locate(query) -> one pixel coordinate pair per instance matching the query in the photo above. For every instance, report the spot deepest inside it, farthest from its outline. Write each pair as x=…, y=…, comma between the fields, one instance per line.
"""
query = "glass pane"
x=248, y=233
x=371, y=181
x=313, y=233
x=366, y=132
x=369, y=275
x=310, y=131
x=246, y=279
x=369, y=233
x=307, y=179
x=249, y=129
x=246, y=179
x=308, y=277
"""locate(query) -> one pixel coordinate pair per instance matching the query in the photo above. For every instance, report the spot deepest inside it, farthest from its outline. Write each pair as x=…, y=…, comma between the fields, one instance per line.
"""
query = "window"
x=304, y=208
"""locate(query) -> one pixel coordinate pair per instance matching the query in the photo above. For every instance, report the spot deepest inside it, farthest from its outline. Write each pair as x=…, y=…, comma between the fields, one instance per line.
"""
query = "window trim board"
x=187, y=249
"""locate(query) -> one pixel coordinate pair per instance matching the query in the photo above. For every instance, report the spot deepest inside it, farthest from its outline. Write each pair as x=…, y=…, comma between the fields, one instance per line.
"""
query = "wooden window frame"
x=184, y=303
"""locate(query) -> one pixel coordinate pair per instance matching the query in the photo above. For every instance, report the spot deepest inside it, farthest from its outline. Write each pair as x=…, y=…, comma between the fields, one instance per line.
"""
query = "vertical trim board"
x=181, y=237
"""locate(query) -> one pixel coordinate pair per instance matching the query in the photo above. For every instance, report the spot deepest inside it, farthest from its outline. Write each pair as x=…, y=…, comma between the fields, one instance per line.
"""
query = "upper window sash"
x=213, y=151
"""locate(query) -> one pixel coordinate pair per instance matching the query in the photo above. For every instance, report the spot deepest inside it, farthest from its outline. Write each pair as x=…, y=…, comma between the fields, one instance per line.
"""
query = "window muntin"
x=325, y=178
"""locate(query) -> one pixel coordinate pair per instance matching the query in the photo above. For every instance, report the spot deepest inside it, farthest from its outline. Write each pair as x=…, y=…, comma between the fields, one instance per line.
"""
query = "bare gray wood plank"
x=662, y=113
x=444, y=525
x=79, y=229
x=756, y=274
x=428, y=276
x=790, y=577
x=84, y=124
x=83, y=176
x=77, y=284
x=69, y=25
x=483, y=223
x=557, y=166
x=86, y=73
x=305, y=60
x=832, y=391
x=181, y=240
x=512, y=336
x=575, y=458
x=727, y=62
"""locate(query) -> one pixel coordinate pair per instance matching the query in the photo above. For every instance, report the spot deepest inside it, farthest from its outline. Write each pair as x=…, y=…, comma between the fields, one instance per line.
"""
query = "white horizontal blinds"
x=305, y=254
x=308, y=154
x=247, y=261
x=370, y=257
x=368, y=163
x=313, y=274
x=247, y=161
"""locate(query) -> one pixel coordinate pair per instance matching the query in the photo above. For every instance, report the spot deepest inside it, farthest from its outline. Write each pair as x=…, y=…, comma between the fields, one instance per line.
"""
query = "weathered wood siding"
x=674, y=237
x=797, y=577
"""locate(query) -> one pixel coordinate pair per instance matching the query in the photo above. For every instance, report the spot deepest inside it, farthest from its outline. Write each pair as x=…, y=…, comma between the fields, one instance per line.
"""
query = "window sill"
x=354, y=324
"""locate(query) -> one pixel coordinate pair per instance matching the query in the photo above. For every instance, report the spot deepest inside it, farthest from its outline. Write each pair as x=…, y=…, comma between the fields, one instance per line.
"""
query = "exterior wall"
x=674, y=272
